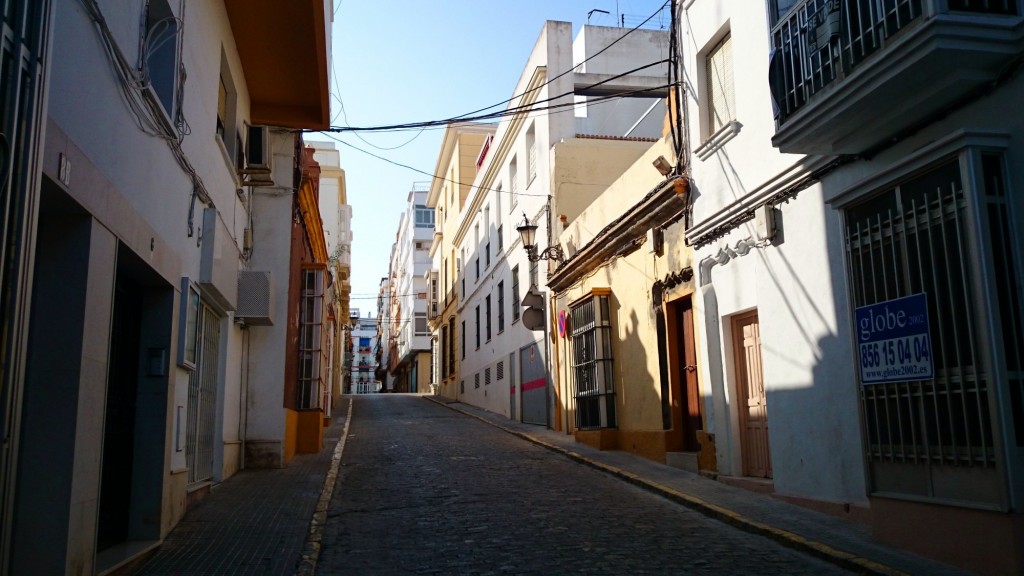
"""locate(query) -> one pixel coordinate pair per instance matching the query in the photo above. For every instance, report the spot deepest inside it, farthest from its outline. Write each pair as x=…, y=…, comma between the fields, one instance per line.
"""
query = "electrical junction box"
x=764, y=216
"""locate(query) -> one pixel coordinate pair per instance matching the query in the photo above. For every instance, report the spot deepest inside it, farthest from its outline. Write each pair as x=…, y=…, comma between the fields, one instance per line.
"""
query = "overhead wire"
x=559, y=108
x=515, y=110
x=470, y=116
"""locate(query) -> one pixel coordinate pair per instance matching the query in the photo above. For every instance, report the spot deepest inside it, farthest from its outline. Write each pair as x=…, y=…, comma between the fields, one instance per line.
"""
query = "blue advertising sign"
x=892, y=340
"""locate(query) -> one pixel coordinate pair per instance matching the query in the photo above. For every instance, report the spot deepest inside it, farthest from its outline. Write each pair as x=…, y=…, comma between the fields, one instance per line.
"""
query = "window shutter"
x=721, y=96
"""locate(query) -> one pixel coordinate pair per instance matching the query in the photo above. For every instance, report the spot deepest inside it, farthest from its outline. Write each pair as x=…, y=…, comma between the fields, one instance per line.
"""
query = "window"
x=487, y=310
x=513, y=183
x=487, y=255
x=424, y=217
x=451, y=346
x=312, y=355
x=463, y=339
x=500, y=371
x=477, y=262
x=222, y=108
x=160, y=55
x=719, y=90
x=593, y=381
x=515, y=294
x=501, y=238
x=913, y=238
x=476, y=380
x=478, y=327
x=501, y=307
x=778, y=8
x=421, y=324
x=531, y=150
x=487, y=376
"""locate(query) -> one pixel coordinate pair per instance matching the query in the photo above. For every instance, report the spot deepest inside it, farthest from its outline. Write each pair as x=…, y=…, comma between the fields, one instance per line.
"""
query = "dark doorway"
x=119, y=419
x=686, y=387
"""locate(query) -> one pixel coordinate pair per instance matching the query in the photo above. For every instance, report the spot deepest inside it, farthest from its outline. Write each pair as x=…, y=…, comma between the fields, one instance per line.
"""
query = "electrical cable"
x=515, y=110
x=550, y=80
x=444, y=179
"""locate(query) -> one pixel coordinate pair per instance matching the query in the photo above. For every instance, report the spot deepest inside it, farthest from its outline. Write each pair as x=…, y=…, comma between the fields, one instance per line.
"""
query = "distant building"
x=410, y=261
x=364, y=364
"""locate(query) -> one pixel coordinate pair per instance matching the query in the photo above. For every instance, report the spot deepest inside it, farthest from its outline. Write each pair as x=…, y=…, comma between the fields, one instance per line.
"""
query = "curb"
x=314, y=538
x=820, y=550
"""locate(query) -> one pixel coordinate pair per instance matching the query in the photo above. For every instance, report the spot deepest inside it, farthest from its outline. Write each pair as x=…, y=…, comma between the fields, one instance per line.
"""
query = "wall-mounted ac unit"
x=218, y=265
x=255, y=297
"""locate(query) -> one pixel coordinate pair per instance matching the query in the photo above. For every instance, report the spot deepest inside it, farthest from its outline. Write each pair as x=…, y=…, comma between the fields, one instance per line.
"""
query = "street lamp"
x=528, y=234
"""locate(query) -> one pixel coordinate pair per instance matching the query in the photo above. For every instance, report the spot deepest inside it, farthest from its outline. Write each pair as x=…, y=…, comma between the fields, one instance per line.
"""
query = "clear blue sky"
x=407, y=61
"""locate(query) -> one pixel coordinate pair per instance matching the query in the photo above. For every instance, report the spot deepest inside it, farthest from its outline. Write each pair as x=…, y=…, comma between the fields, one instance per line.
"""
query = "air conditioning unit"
x=257, y=150
x=255, y=298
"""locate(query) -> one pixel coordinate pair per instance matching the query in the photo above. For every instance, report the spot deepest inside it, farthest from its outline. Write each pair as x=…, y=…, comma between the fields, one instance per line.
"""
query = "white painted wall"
x=795, y=285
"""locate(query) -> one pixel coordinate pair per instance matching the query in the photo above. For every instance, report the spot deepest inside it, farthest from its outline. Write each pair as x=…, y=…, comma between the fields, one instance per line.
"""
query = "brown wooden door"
x=751, y=397
x=691, y=419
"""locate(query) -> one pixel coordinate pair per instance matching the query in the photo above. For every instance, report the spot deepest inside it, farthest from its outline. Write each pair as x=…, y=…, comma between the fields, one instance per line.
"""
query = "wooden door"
x=751, y=397
x=690, y=414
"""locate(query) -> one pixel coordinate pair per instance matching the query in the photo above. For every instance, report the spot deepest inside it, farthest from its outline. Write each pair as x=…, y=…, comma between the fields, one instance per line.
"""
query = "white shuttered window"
x=720, y=93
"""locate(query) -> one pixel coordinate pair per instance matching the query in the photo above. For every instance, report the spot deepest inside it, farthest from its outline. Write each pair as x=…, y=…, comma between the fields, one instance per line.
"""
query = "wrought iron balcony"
x=848, y=75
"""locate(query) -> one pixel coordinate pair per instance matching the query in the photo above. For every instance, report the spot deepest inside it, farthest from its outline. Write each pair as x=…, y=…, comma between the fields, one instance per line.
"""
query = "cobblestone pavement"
x=425, y=490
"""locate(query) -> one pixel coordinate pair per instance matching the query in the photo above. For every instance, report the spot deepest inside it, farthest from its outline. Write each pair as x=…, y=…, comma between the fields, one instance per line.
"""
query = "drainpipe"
x=243, y=397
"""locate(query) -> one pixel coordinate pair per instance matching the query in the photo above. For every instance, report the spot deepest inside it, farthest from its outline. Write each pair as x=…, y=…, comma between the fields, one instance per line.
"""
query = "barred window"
x=500, y=371
x=593, y=381
x=487, y=376
x=501, y=307
x=476, y=380
x=918, y=237
x=515, y=293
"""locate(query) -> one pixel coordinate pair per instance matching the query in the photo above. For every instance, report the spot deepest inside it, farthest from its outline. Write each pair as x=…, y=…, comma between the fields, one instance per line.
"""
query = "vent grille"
x=255, y=297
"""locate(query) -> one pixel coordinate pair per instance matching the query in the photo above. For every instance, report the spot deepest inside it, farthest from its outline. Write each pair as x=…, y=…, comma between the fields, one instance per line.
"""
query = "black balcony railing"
x=822, y=39
x=819, y=41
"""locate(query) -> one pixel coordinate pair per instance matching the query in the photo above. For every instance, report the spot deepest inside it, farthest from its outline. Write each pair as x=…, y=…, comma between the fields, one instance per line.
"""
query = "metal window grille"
x=476, y=380
x=501, y=307
x=451, y=346
x=593, y=381
x=487, y=320
x=516, y=301
x=916, y=238
x=822, y=39
x=312, y=356
x=500, y=370
x=202, y=400
x=487, y=376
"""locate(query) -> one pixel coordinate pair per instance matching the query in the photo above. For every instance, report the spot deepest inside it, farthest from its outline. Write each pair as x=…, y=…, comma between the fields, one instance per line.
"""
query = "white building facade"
x=504, y=365
x=830, y=207
x=410, y=262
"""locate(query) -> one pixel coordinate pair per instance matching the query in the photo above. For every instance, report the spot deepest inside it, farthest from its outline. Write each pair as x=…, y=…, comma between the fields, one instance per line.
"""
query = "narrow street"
x=423, y=489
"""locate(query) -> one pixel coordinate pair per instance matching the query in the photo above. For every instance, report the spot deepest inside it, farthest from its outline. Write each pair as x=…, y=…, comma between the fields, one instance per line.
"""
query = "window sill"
x=715, y=142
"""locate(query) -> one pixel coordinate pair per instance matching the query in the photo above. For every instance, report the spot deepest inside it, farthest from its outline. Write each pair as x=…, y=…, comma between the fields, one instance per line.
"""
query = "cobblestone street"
x=426, y=490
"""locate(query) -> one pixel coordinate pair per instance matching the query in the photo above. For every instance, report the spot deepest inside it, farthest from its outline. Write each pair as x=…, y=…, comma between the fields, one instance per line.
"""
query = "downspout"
x=243, y=397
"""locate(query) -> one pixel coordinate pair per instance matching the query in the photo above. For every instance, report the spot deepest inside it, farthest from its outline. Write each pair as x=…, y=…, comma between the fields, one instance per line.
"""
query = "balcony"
x=847, y=76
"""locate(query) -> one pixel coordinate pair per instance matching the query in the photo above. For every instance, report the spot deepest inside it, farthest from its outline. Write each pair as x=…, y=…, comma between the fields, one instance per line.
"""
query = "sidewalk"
x=257, y=521
x=833, y=539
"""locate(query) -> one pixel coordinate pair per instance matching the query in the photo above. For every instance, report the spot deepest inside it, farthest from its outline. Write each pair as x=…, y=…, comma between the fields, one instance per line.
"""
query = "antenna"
x=591, y=13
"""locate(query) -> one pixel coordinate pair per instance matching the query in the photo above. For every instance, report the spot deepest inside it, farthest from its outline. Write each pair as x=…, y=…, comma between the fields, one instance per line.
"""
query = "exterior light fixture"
x=662, y=165
x=528, y=234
